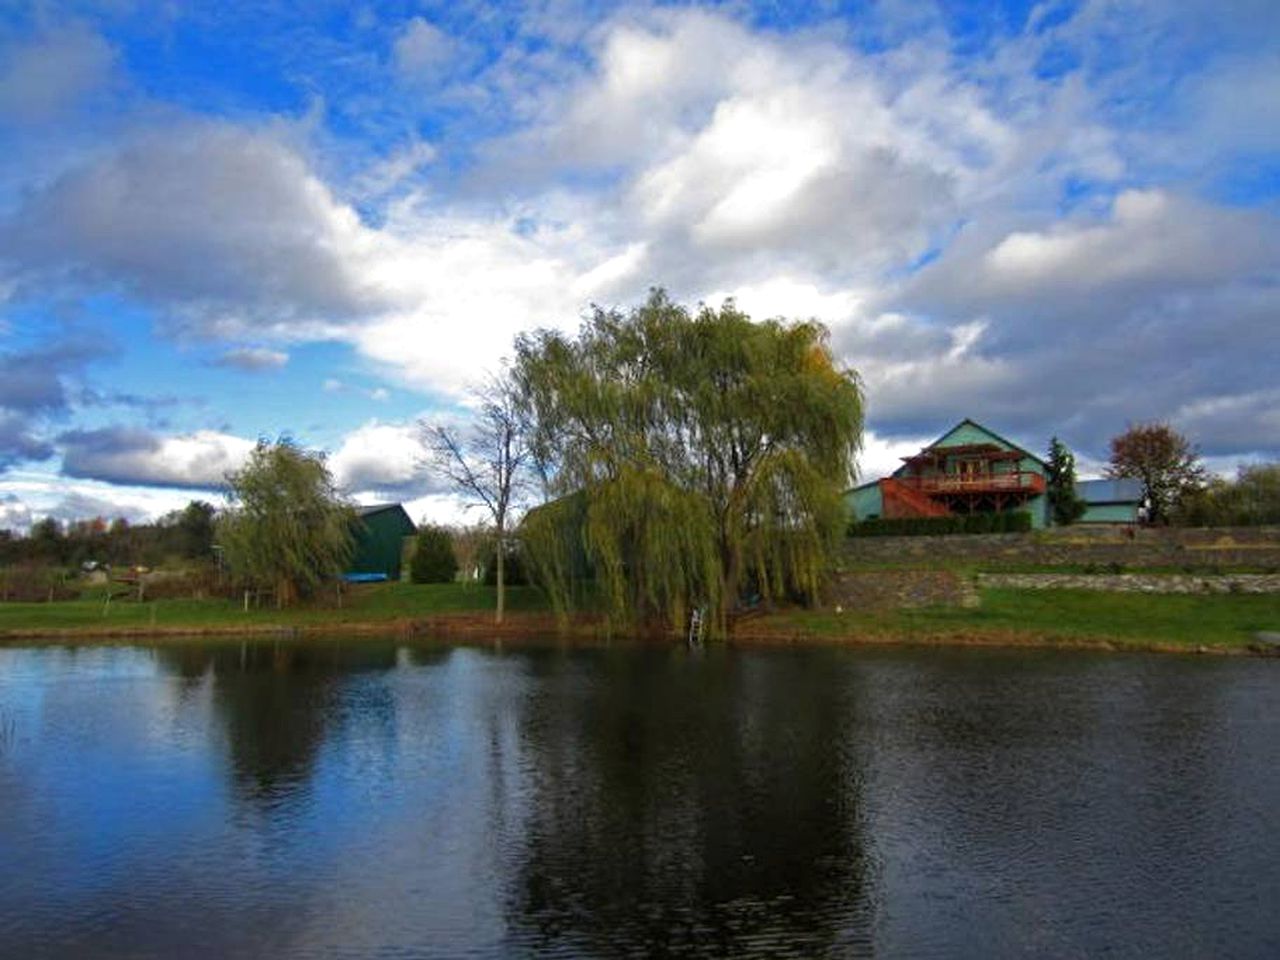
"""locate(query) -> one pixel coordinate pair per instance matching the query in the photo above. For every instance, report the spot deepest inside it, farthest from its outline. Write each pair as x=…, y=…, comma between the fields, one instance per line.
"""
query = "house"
x=969, y=469
x=379, y=542
x=1111, y=501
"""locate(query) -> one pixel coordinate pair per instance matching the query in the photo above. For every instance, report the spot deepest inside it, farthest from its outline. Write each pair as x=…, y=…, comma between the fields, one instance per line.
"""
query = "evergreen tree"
x=195, y=530
x=1065, y=505
x=433, y=558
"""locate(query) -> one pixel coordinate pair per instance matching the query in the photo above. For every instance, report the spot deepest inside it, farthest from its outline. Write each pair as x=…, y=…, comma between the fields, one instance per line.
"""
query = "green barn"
x=379, y=542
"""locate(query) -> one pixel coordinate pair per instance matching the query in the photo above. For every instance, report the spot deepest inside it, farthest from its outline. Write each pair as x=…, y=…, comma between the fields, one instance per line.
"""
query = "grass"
x=364, y=603
x=1225, y=620
x=1216, y=620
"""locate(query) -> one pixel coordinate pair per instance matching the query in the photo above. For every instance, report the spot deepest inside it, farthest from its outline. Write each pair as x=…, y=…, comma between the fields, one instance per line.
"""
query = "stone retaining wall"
x=1257, y=547
x=1135, y=582
x=890, y=589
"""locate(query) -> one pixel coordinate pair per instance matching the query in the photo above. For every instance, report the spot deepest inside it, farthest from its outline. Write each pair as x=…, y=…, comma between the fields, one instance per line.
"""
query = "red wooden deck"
x=1019, y=482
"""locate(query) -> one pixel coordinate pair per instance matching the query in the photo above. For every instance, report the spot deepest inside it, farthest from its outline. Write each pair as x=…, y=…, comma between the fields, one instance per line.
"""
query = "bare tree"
x=489, y=461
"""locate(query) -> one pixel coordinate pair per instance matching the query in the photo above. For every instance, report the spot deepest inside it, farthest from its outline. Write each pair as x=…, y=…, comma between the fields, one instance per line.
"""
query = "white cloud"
x=912, y=201
x=14, y=514
x=1152, y=236
x=1243, y=422
x=469, y=286
x=422, y=49
x=254, y=359
x=441, y=508
x=382, y=457
x=378, y=394
x=227, y=228
x=881, y=456
x=42, y=79
x=37, y=494
x=131, y=456
x=394, y=169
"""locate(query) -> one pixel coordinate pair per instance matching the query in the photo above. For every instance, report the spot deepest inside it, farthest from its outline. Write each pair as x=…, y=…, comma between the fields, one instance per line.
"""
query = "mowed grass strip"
x=1211, y=619
x=1228, y=620
x=364, y=603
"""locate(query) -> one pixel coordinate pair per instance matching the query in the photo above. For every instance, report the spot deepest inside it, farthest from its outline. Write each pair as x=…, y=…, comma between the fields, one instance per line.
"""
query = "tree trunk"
x=728, y=584
x=502, y=585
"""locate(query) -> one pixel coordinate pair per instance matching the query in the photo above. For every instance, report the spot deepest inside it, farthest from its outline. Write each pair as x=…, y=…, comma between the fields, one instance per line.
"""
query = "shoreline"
x=540, y=628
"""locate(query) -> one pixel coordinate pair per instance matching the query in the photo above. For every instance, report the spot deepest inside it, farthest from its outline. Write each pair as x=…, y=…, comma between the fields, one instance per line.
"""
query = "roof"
x=386, y=515
x=985, y=429
x=376, y=508
x=968, y=447
x=1121, y=490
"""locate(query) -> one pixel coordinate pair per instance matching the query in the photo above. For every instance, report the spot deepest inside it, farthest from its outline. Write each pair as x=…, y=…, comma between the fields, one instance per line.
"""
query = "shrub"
x=31, y=583
x=513, y=569
x=433, y=557
x=194, y=583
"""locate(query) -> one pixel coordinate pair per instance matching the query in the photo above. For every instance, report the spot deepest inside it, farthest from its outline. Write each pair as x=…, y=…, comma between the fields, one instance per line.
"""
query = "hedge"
x=1015, y=522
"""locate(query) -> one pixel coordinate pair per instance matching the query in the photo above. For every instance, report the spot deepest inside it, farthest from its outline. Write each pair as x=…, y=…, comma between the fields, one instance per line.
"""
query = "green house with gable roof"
x=969, y=469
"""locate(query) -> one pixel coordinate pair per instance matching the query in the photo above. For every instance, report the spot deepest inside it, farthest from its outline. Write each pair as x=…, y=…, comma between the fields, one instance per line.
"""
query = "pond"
x=389, y=799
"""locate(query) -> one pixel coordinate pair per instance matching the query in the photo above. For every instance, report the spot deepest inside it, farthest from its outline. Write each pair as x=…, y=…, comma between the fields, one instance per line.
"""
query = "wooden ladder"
x=697, y=625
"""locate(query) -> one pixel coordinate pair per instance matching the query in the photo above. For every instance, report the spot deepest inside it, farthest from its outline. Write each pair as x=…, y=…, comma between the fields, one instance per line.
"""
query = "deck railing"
x=1020, y=481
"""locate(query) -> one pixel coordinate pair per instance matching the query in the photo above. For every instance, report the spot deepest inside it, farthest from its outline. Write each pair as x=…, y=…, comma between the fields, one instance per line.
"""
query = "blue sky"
x=328, y=219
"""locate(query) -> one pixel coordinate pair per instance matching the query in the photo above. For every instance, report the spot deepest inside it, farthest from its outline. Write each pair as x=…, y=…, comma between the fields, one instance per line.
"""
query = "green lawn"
x=362, y=603
x=1210, y=619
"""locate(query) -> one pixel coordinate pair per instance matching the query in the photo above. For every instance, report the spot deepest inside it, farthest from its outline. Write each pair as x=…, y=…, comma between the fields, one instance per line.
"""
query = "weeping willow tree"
x=698, y=456
x=286, y=528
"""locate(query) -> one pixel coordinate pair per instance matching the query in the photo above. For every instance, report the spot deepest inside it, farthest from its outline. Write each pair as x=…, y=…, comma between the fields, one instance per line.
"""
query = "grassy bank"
x=1064, y=616
x=361, y=605
x=1071, y=617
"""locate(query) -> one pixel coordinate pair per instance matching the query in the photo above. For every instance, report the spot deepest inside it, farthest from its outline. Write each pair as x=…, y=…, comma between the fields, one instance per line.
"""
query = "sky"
x=221, y=222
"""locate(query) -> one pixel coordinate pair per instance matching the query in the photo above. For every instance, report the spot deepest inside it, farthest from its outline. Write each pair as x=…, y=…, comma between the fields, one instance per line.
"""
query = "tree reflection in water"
x=279, y=700
x=682, y=802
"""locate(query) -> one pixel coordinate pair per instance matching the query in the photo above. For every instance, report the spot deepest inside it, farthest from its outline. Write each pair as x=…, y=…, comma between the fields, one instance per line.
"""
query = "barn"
x=1111, y=501
x=379, y=542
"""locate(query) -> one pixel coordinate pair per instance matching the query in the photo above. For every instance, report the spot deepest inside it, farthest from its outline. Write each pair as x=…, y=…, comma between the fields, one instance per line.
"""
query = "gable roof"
x=376, y=508
x=991, y=433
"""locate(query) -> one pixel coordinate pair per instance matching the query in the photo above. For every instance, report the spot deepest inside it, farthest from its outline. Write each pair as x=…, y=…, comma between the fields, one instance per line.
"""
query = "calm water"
x=382, y=800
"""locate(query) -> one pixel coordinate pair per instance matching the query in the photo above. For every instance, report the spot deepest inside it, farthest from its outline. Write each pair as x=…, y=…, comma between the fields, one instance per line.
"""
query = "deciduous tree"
x=1251, y=499
x=699, y=456
x=1164, y=460
x=286, y=527
x=489, y=461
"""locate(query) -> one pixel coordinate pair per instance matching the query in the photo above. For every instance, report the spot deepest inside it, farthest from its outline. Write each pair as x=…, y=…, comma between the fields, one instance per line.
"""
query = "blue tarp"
x=364, y=577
